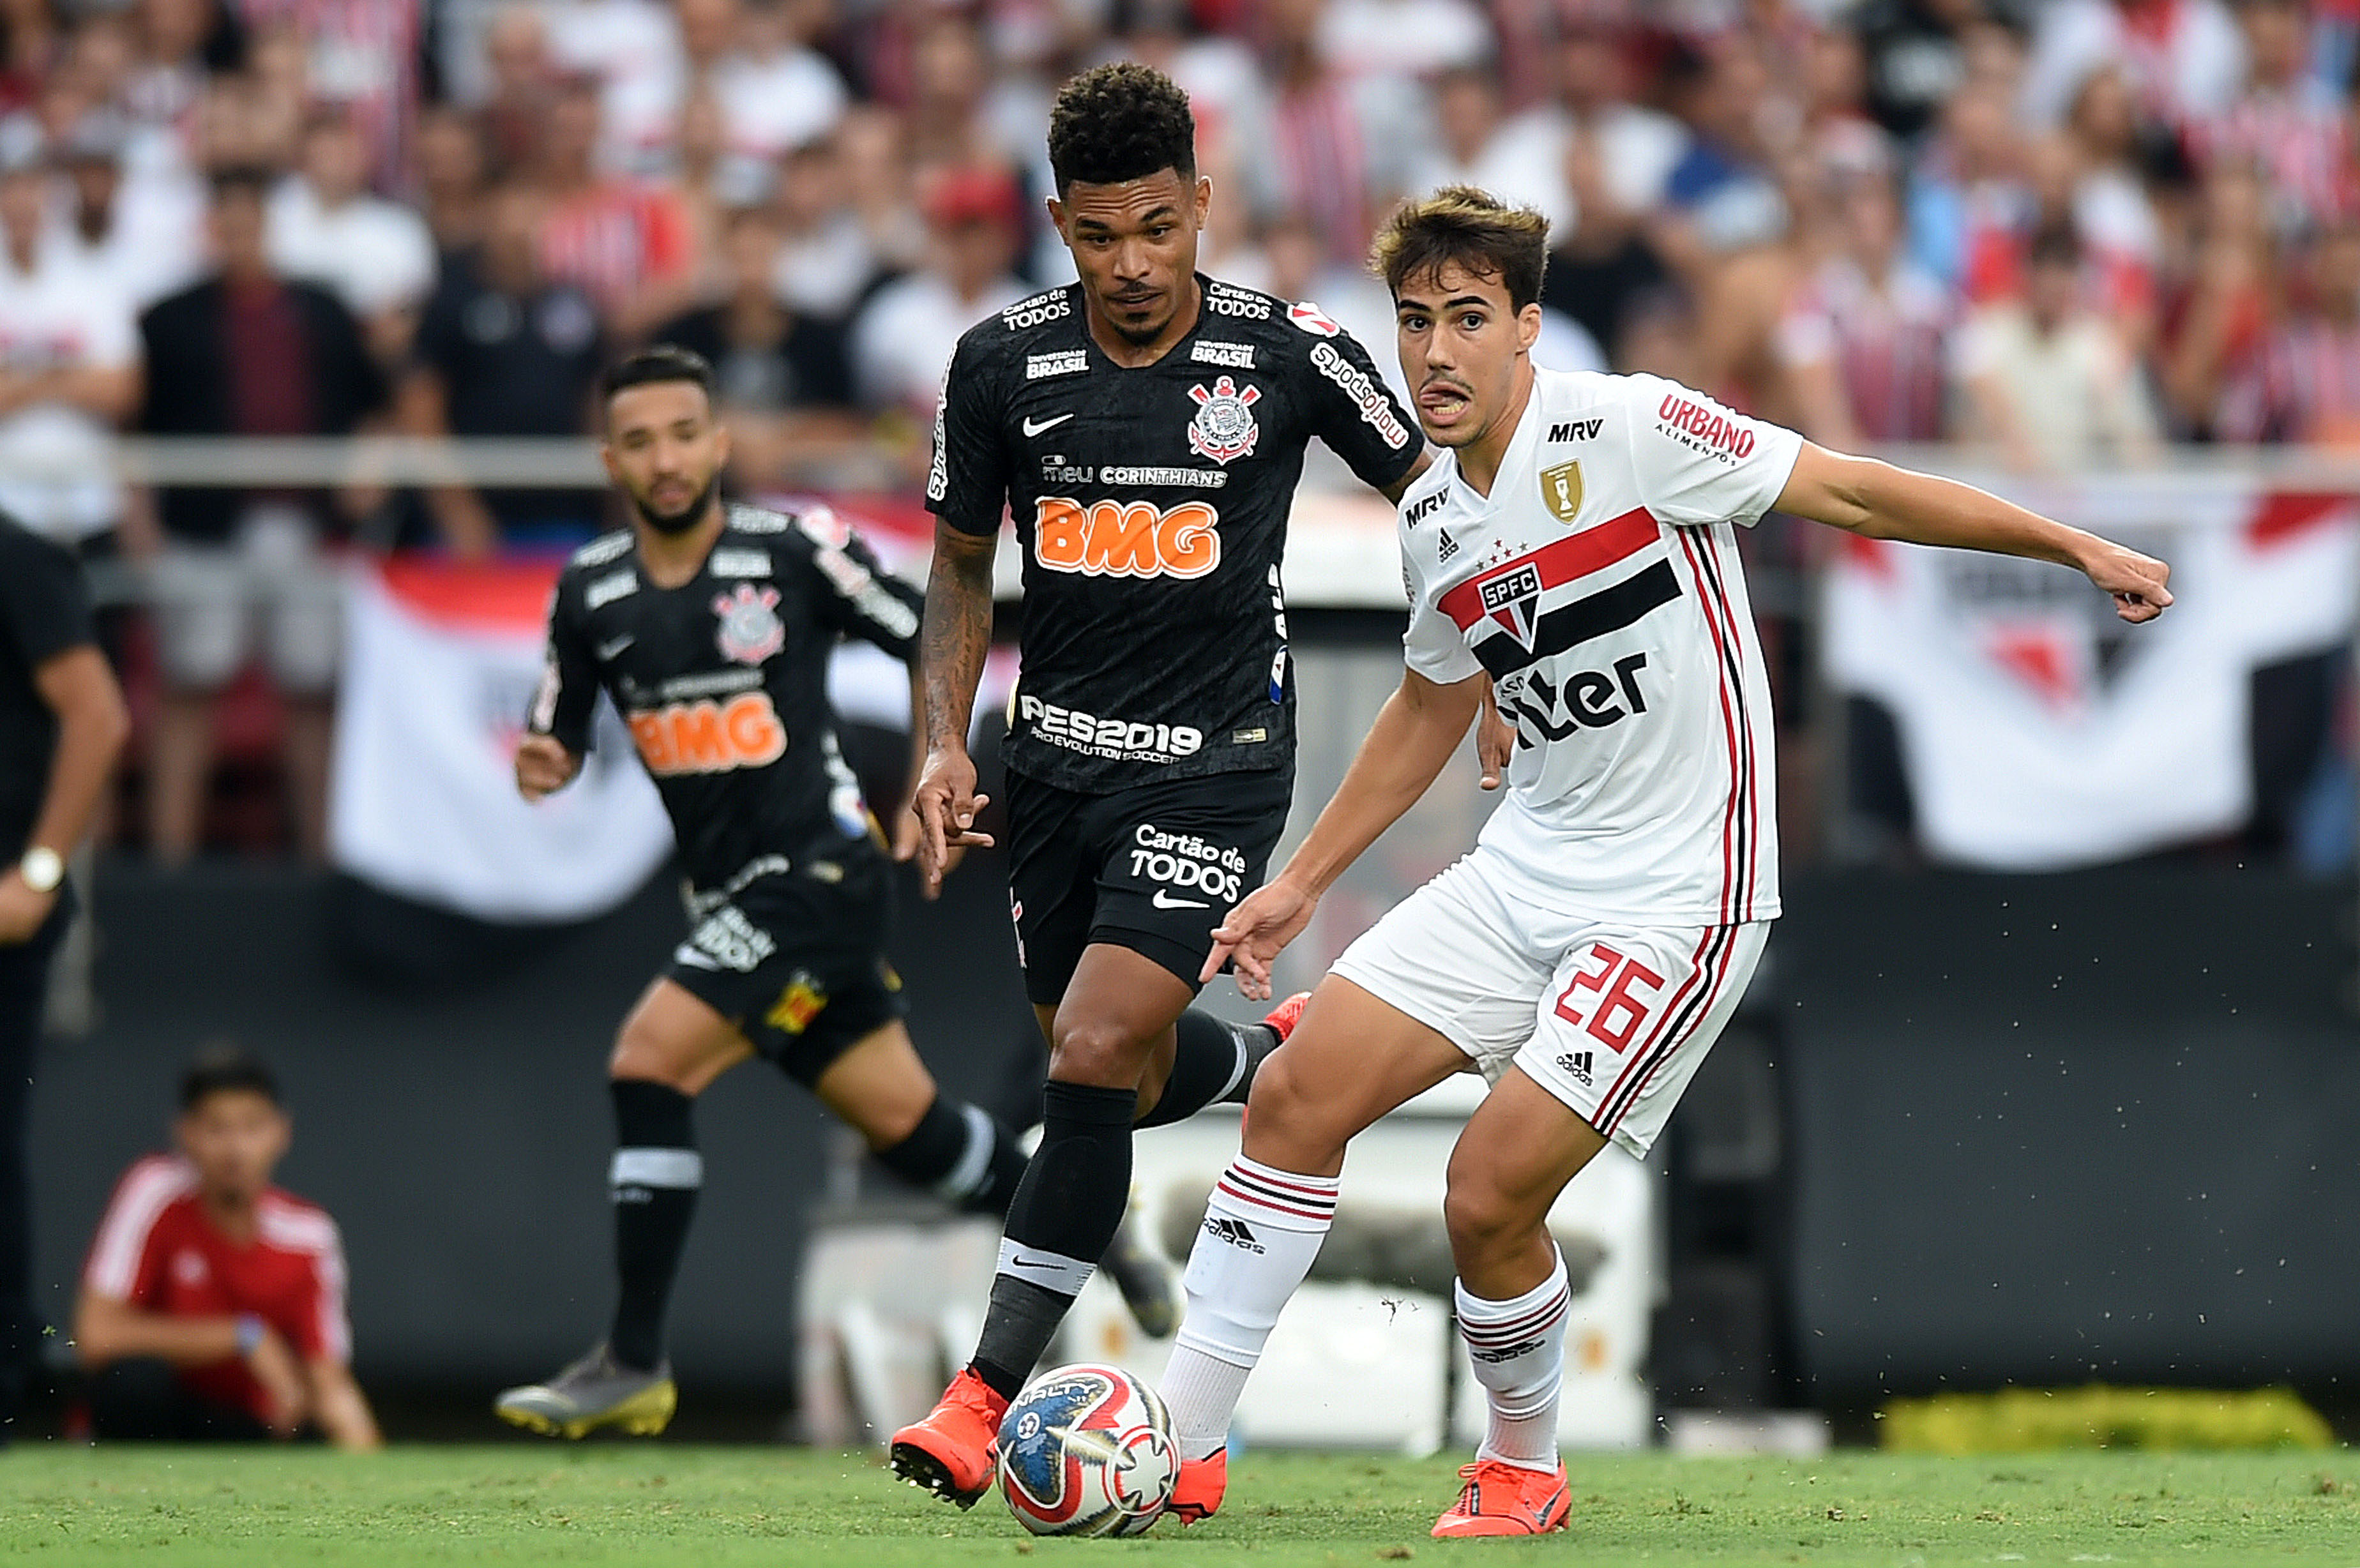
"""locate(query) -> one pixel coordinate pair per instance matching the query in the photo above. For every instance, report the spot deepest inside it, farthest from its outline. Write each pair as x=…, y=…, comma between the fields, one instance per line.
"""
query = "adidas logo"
x=1493, y=1358
x=1577, y=1062
x=1234, y=1232
x=1449, y=547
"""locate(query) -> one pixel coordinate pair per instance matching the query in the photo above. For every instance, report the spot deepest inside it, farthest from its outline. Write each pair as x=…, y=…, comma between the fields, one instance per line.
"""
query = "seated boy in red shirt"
x=213, y=1304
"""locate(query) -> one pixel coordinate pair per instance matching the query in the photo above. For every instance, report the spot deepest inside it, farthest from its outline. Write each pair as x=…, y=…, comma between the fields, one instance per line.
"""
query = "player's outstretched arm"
x=1418, y=728
x=952, y=641
x=1877, y=500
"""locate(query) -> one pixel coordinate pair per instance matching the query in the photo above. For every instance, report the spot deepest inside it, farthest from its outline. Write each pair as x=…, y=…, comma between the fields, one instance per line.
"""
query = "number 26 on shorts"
x=1620, y=1009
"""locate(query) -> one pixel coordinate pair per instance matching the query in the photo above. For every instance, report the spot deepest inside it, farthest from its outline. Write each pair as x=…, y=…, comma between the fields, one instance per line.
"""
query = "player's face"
x=1134, y=246
x=1463, y=348
x=234, y=1138
x=666, y=449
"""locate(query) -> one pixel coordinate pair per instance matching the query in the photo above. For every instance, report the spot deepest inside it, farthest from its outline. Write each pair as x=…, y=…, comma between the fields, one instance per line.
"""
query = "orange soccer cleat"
x=1286, y=1015
x=1197, y=1495
x=1500, y=1498
x=949, y=1454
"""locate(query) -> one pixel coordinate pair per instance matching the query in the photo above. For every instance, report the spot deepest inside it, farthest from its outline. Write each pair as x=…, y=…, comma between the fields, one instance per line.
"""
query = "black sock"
x=656, y=1175
x=1065, y=1214
x=958, y=1152
x=1213, y=1062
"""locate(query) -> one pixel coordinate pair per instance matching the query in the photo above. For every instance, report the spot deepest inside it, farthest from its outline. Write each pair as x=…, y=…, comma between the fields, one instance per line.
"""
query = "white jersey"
x=1598, y=584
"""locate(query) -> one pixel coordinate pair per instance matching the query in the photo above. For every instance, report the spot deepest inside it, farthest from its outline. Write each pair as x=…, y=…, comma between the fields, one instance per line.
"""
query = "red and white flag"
x=2039, y=732
x=442, y=660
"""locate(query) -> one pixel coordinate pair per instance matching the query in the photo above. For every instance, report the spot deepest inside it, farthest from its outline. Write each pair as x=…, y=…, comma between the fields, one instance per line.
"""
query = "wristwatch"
x=42, y=868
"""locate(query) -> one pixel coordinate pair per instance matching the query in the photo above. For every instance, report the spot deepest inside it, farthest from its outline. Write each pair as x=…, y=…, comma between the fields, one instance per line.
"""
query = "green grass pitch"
x=668, y=1505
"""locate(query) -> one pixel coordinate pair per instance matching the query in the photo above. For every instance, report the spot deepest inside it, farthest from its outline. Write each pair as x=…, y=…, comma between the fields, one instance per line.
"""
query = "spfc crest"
x=1512, y=599
x=1561, y=490
x=1224, y=427
x=750, y=629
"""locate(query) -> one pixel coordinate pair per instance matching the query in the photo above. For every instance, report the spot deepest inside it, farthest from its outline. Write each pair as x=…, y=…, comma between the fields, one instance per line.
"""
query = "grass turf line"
x=667, y=1505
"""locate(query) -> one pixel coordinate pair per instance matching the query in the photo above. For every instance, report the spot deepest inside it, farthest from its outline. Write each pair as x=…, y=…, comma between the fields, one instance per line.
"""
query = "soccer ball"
x=1087, y=1450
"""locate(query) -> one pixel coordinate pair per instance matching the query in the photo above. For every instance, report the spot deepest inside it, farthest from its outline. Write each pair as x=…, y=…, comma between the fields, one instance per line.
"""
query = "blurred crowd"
x=2072, y=231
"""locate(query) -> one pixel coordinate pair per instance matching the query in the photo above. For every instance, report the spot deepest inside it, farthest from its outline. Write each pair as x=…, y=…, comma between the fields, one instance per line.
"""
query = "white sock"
x=1262, y=1228
x=1518, y=1351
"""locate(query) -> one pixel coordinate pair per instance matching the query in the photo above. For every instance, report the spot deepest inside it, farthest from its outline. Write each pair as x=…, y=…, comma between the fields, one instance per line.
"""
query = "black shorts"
x=1154, y=868
x=795, y=957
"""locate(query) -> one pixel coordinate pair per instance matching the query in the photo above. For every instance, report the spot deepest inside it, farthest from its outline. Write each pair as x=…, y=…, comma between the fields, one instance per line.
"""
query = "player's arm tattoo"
x=1400, y=487
x=956, y=634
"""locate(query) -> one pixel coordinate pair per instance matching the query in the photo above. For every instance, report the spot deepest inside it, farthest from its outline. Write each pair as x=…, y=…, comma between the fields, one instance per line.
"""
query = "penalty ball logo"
x=750, y=629
x=1224, y=427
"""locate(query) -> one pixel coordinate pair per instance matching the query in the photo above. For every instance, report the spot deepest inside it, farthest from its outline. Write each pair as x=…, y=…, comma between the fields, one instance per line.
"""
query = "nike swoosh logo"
x=1163, y=901
x=1035, y=427
x=609, y=650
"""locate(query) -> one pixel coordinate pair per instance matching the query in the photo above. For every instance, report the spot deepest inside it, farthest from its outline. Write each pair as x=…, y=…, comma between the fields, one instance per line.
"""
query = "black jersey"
x=724, y=680
x=1151, y=505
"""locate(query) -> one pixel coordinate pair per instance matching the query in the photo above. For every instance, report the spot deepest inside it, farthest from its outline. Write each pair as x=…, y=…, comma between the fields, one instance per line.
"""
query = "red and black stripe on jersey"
x=1565, y=594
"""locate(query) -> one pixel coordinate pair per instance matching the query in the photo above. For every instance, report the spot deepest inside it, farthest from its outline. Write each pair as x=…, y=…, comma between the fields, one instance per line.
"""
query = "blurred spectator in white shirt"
x=69, y=365
x=776, y=90
x=375, y=255
x=1405, y=37
x=825, y=260
x=148, y=235
x=631, y=46
x=2183, y=58
x=1520, y=161
x=1637, y=147
x=903, y=339
x=2047, y=380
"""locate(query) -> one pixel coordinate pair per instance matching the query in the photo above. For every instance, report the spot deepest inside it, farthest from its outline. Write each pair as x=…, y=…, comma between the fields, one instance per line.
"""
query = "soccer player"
x=212, y=1303
x=711, y=626
x=1574, y=543
x=1148, y=425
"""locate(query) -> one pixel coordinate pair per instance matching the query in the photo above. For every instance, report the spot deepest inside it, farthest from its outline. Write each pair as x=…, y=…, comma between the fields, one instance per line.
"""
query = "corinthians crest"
x=750, y=629
x=1224, y=427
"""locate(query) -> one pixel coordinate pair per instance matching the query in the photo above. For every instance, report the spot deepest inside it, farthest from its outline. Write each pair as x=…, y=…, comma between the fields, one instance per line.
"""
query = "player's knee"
x=1289, y=1123
x=643, y=1053
x=1483, y=1219
x=1098, y=1052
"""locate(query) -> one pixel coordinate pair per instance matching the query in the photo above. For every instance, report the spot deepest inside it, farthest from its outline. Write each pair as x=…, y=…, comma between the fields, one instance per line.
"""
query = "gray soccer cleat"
x=1145, y=1281
x=594, y=1391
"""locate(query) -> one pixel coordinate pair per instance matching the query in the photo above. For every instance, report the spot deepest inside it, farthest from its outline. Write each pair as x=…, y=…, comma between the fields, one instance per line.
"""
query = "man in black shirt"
x=61, y=724
x=710, y=625
x=503, y=350
x=1147, y=427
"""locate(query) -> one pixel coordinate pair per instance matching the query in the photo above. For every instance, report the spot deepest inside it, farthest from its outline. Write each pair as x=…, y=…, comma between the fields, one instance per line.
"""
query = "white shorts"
x=1613, y=1016
x=269, y=588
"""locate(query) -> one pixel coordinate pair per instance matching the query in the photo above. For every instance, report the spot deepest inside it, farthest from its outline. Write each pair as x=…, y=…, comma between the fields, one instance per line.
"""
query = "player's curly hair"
x=1472, y=228
x=1119, y=121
